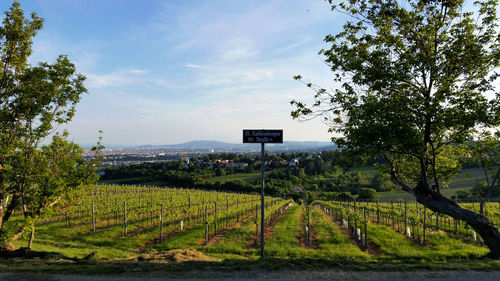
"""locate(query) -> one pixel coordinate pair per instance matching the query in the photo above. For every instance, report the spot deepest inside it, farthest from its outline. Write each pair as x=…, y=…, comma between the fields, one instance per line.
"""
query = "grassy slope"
x=464, y=181
x=283, y=242
x=234, y=242
x=248, y=177
x=439, y=248
x=332, y=243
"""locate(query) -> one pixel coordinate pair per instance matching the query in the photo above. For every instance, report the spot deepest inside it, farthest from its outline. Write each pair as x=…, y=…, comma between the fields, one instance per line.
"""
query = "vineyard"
x=133, y=222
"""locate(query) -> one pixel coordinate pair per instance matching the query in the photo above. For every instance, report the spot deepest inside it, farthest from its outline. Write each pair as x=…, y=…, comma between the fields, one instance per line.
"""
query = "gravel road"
x=269, y=275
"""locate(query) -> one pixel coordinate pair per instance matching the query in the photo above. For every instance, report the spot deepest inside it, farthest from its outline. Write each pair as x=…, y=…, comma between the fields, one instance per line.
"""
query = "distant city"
x=117, y=156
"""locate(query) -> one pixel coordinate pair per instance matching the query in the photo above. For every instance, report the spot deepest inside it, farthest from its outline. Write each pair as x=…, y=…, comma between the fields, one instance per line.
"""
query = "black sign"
x=262, y=136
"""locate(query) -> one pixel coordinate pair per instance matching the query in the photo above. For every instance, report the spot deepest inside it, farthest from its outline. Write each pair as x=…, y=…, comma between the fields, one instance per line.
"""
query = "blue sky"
x=163, y=72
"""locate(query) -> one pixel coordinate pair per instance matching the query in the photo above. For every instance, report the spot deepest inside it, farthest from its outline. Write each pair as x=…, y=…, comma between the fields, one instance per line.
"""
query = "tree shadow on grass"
x=44, y=262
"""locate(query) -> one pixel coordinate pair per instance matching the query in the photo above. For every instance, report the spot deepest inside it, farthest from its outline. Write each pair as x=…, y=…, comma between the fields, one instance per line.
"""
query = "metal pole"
x=262, y=168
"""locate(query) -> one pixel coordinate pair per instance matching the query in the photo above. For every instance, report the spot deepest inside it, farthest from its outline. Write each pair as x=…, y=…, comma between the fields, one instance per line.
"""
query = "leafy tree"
x=345, y=196
x=381, y=182
x=219, y=172
x=485, y=153
x=33, y=100
x=329, y=196
x=309, y=196
x=367, y=194
x=461, y=195
x=414, y=79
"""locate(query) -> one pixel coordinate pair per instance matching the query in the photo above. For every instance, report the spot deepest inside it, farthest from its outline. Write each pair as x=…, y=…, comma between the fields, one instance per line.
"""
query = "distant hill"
x=223, y=146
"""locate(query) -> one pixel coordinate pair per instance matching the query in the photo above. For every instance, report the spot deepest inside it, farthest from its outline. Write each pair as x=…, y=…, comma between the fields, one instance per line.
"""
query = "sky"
x=166, y=72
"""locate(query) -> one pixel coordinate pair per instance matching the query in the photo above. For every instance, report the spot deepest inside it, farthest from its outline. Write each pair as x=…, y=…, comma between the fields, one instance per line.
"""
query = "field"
x=118, y=224
x=247, y=177
x=464, y=181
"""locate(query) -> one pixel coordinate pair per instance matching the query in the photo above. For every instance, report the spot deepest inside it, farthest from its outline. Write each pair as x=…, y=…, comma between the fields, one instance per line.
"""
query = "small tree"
x=367, y=194
x=33, y=100
x=413, y=81
x=485, y=153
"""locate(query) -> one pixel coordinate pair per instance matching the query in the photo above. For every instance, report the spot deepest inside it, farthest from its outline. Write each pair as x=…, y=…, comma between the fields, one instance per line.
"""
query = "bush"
x=461, y=195
x=345, y=196
x=368, y=194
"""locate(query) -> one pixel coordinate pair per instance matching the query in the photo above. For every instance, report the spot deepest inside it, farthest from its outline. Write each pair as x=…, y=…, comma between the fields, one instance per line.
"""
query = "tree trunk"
x=438, y=203
x=18, y=234
x=10, y=208
x=32, y=237
x=2, y=191
x=1, y=214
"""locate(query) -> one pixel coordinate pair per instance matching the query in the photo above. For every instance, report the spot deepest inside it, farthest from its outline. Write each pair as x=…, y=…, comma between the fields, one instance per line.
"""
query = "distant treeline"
x=287, y=174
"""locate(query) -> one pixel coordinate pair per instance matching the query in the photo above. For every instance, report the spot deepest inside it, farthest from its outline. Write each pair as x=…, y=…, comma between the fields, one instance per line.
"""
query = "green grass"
x=439, y=248
x=133, y=268
x=464, y=181
x=332, y=243
x=247, y=177
x=235, y=241
x=135, y=180
x=56, y=238
x=283, y=249
x=400, y=194
x=251, y=178
x=284, y=240
x=183, y=240
x=368, y=172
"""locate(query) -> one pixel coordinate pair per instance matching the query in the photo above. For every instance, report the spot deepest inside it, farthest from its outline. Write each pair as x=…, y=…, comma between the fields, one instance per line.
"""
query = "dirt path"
x=248, y=275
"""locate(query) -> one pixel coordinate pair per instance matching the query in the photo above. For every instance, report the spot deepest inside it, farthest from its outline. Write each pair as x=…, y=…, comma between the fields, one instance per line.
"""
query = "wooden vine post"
x=365, y=241
x=161, y=223
x=93, y=216
x=406, y=233
x=215, y=218
x=125, y=218
x=424, y=226
x=206, y=224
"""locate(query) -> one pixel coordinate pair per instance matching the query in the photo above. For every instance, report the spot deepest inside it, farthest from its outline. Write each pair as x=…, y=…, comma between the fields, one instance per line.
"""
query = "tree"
x=414, y=81
x=220, y=172
x=367, y=194
x=33, y=101
x=461, y=195
x=381, y=182
x=485, y=152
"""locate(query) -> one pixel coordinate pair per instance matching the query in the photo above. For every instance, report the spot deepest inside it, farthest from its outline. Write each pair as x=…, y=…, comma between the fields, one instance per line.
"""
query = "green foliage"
x=5, y=238
x=220, y=172
x=485, y=152
x=368, y=194
x=309, y=196
x=34, y=100
x=413, y=78
x=381, y=182
x=461, y=195
x=345, y=196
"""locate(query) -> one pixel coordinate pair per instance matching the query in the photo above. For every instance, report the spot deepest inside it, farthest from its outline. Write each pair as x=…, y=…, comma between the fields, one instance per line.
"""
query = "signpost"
x=262, y=137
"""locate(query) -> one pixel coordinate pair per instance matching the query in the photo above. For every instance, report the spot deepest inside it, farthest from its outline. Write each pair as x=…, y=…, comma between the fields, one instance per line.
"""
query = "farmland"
x=137, y=223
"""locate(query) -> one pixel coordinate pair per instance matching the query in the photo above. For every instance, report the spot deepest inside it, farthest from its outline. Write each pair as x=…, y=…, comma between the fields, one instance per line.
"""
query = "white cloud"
x=116, y=79
x=138, y=71
x=294, y=45
x=195, y=66
x=237, y=49
x=123, y=78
